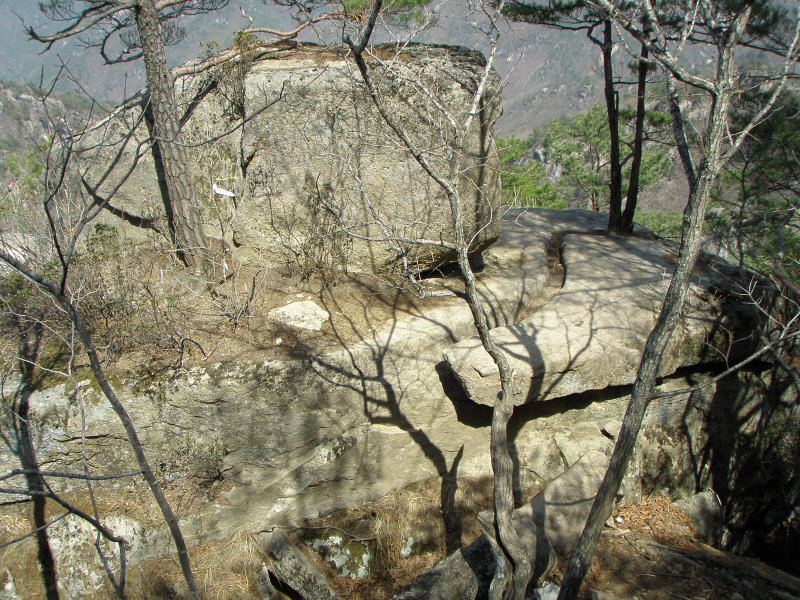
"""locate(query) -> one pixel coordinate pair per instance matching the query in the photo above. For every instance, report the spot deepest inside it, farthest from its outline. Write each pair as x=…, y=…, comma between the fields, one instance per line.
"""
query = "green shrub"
x=524, y=183
x=666, y=224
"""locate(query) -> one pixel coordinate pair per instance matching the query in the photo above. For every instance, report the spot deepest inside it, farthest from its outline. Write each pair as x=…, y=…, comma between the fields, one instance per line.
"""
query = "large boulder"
x=319, y=181
x=280, y=433
x=592, y=334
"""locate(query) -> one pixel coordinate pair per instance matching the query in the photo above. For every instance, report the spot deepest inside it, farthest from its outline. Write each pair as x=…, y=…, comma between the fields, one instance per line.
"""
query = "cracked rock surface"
x=591, y=334
x=309, y=433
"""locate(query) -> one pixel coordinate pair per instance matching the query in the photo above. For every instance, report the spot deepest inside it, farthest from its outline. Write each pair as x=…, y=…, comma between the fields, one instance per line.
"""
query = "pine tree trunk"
x=626, y=224
x=615, y=168
x=180, y=202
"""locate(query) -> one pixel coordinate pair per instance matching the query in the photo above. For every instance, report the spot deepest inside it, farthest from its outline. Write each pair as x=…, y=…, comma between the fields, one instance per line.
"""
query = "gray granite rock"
x=591, y=335
x=705, y=511
x=307, y=159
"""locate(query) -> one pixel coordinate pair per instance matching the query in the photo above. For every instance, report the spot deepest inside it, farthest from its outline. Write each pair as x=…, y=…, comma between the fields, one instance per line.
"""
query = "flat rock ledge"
x=592, y=333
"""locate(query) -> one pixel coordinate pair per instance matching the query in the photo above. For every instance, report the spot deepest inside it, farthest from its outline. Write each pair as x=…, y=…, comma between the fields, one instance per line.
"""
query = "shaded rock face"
x=756, y=474
x=563, y=506
x=706, y=513
x=464, y=575
x=297, y=140
x=296, y=438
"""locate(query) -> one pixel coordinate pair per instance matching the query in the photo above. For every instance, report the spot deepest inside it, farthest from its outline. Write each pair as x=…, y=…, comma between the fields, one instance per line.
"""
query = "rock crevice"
x=590, y=335
x=300, y=437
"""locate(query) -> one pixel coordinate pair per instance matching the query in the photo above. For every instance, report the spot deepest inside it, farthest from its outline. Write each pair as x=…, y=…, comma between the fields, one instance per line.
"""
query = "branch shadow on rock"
x=380, y=380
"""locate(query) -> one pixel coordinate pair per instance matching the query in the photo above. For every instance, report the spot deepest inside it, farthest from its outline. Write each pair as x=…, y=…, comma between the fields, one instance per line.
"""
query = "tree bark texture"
x=626, y=224
x=502, y=465
x=180, y=201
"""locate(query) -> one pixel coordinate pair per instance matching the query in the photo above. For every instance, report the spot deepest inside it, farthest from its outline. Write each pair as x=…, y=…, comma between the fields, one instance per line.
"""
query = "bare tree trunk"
x=133, y=439
x=180, y=202
x=643, y=387
x=626, y=224
x=85, y=338
x=27, y=458
x=701, y=187
x=502, y=465
x=612, y=109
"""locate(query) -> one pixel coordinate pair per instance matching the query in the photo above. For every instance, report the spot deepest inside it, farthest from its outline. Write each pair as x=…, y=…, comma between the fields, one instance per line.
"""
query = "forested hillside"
x=547, y=73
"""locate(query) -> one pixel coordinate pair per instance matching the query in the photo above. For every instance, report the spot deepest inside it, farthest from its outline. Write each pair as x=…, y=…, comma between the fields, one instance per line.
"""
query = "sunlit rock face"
x=286, y=432
x=294, y=166
x=591, y=335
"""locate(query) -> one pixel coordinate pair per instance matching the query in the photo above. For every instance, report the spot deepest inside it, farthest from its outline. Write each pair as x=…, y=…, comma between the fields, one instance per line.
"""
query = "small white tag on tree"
x=222, y=191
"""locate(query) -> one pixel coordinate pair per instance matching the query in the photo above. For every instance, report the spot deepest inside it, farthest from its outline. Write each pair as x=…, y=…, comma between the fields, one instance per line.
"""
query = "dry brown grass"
x=224, y=570
x=652, y=557
x=19, y=559
x=227, y=569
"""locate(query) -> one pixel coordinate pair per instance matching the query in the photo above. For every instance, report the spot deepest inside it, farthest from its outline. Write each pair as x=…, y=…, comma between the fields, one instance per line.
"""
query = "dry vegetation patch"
x=650, y=554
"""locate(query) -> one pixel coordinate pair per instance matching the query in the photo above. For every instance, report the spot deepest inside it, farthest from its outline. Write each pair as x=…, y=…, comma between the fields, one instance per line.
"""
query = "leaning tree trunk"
x=642, y=390
x=133, y=440
x=701, y=185
x=180, y=202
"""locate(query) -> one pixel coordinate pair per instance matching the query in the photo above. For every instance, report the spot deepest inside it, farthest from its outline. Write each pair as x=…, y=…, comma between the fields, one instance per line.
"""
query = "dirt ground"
x=654, y=555
x=650, y=553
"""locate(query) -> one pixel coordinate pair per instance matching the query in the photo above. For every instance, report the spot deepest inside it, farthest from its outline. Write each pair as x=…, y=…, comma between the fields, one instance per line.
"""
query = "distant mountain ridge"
x=547, y=73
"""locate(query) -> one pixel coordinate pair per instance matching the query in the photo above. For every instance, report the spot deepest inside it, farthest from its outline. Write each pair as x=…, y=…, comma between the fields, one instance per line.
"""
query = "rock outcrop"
x=305, y=433
x=592, y=334
x=318, y=180
x=549, y=525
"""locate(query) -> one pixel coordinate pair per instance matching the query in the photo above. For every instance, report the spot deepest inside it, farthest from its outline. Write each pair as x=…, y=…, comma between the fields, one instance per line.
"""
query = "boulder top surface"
x=591, y=334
